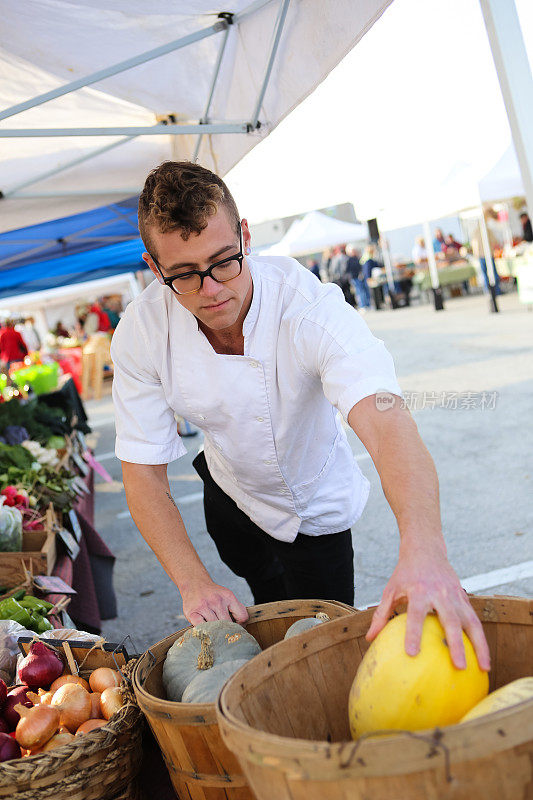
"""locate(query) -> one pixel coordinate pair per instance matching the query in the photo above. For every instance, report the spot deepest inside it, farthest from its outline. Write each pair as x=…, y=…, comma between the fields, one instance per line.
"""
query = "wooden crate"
x=38, y=555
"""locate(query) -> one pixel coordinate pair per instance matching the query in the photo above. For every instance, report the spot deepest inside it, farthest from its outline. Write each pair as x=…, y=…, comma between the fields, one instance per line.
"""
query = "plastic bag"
x=9, y=649
x=70, y=633
x=10, y=528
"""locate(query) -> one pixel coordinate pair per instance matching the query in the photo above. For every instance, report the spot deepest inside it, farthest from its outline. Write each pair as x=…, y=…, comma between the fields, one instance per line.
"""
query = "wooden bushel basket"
x=286, y=719
x=200, y=765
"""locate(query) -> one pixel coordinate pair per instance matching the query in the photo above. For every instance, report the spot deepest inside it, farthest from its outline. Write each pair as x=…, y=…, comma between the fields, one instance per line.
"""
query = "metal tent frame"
x=204, y=125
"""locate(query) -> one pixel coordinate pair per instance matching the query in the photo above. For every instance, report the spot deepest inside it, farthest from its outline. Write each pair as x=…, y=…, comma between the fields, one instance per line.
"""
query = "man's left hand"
x=428, y=582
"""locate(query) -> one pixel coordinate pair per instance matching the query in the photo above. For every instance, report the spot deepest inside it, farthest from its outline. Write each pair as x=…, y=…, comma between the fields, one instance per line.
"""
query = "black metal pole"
x=438, y=298
x=493, y=305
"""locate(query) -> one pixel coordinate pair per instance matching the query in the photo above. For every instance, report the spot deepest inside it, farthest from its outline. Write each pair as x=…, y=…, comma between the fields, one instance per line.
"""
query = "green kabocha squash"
x=206, y=686
x=302, y=625
x=203, y=647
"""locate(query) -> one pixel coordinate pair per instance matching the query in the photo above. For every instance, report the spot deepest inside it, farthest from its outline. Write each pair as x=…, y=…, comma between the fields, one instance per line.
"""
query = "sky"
x=415, y=105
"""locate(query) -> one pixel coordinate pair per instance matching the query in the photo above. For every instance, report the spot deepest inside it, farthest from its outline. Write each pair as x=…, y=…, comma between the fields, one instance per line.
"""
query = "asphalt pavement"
x=467, y=376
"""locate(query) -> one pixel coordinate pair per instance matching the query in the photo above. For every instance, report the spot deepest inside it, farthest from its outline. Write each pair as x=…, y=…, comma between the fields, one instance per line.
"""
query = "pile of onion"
x=51, y=717
x=51, y=707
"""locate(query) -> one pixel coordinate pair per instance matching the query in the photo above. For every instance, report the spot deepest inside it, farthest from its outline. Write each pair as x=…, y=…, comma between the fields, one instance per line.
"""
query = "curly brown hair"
x=181, y=195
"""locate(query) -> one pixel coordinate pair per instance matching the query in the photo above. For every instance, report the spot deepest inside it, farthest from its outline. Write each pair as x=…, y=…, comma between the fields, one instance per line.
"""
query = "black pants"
x=318, y=567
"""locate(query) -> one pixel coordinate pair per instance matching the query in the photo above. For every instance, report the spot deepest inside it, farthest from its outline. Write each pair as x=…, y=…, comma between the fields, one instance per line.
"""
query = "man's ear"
x=246, y=237
x=147, y=258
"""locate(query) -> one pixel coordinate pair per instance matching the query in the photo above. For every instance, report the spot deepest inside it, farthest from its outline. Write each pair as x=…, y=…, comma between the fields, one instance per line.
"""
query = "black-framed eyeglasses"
x=192, y=281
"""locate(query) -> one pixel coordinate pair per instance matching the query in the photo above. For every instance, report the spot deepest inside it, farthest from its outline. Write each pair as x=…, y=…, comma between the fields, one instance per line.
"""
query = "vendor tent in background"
x=503, y=180
x=89, y=246
x=144, y=82
x=314, y=233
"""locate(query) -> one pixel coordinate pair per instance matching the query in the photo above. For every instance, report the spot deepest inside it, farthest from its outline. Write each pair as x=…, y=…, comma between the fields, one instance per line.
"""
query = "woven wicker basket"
x=100, y=765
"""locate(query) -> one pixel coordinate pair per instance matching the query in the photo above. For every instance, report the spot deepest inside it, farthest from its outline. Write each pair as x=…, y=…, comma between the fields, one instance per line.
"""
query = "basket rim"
x=256, y=613
x=116, y=727
x=289, y=748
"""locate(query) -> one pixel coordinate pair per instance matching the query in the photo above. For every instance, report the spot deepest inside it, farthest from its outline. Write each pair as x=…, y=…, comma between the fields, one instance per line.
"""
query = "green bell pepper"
x=35, y=604
x=40, y=624
x=11, y=609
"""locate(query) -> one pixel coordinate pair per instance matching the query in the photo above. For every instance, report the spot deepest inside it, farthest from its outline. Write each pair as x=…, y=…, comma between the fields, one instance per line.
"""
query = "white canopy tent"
x=49, y=305
x=419, y=125
x=503, y=180
x=316, y=232
x=94, y=94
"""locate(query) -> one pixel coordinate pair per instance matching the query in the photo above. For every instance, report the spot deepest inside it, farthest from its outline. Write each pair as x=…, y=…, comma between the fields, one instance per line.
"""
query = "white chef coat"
x=272, y=437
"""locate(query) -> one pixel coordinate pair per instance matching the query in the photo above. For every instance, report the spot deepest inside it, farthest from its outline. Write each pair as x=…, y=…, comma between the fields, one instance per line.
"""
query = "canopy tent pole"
x=387, y=261
x=280, y=21
x=514, y=73
x=95, y=77
x=134, y=285
x=438, y=298
x=507, y=225
x=153, y=130
x=205, y=117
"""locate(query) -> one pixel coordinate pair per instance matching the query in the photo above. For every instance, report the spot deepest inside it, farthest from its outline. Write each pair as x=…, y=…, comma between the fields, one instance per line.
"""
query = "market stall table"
x=450, y=275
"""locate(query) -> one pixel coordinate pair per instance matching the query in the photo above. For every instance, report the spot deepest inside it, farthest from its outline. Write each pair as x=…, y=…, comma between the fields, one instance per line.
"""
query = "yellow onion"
x=111, y=701
x=74, y=705
x=91, y=725
x=36, y=725
x=96, y=711
x=67, y=678
x=60, y=738
x=104, y=678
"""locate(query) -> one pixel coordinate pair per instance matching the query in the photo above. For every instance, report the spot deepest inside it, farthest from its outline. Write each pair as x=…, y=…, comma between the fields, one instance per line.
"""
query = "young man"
x=260, y=356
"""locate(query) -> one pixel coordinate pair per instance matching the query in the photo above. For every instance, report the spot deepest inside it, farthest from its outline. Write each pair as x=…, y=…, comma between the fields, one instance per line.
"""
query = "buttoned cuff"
x=365, y=388
x=146, y=453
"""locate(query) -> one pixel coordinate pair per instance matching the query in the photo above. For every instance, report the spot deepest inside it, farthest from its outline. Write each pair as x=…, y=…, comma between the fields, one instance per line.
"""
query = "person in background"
x=32, y=340
x=104, y=325
x=452, y=251
x=451, y=246
x=325, y=263
x=314, y=266
x=439, y=244
x=60, y=330
x=354, y=270
x=338, y=274
x=337, y=266
x=12, y=345
x=478, y=251
x=527, y=230
x=109, y=307
x=372, y=271
x=419, y=252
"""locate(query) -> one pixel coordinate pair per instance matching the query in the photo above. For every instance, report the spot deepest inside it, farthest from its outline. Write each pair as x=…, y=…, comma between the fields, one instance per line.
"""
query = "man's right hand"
x=207, y=601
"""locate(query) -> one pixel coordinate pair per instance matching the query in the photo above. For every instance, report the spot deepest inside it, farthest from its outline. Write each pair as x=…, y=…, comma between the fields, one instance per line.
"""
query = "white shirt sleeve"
x=334, y=343
x=147, y=432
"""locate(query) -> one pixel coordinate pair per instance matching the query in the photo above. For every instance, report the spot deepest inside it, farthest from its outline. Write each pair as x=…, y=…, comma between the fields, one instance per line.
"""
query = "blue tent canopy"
x=83, y=247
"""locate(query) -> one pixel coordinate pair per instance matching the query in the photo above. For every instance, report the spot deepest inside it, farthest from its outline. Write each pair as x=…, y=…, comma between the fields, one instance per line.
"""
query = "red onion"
x=41, y=666
x=4, y=727
x=9, y=748
x=3, y=692
x=17, y=695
